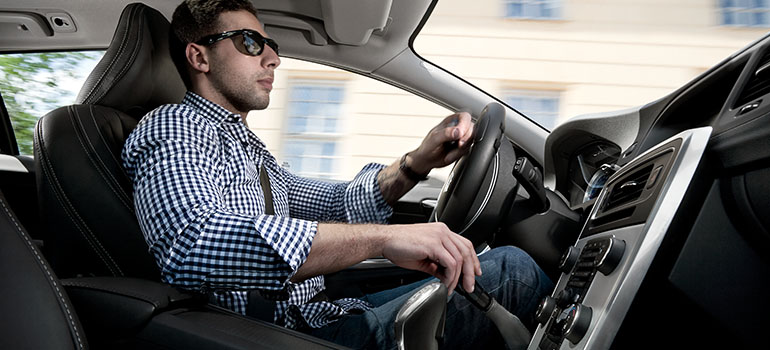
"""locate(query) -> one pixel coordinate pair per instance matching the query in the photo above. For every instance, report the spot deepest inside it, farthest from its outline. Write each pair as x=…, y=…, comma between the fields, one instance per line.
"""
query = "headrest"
x=136, y=73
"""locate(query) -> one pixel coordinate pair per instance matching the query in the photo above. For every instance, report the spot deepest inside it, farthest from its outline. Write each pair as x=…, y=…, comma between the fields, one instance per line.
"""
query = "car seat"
x=84, y=195
x=37, y=314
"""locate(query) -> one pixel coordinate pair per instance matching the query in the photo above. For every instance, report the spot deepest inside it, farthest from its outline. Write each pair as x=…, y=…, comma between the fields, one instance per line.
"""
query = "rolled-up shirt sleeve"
x=357, y=201
x=196, y=239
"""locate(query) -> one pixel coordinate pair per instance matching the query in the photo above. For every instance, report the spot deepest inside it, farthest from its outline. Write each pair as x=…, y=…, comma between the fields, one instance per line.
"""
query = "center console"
x=603, y=271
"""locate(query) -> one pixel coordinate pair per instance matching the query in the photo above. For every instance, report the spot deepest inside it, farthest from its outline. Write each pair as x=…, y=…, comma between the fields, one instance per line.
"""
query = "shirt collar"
x=219, y=115
x=210, y=110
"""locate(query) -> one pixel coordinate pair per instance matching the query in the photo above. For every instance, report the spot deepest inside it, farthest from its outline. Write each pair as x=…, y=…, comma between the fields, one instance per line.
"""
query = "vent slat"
x=758, y=84
x=629, y=193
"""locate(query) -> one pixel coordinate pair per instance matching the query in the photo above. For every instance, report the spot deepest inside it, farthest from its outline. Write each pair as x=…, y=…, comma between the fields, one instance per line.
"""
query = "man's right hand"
x=434, y=249
x=431, y=248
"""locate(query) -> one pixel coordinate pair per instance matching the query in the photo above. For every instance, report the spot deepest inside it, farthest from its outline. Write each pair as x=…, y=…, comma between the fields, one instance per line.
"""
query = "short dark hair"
x=194, y=19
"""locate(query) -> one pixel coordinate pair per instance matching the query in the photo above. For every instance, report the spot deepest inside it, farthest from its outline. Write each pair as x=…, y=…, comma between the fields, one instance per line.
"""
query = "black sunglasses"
x=252, y=44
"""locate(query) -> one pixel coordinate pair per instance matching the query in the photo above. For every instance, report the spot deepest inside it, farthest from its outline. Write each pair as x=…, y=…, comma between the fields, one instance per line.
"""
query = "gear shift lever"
x=420, y=321
x=513, y=331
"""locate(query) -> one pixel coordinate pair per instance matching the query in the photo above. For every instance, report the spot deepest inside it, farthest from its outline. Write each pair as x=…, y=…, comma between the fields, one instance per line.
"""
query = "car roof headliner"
x=351, y=34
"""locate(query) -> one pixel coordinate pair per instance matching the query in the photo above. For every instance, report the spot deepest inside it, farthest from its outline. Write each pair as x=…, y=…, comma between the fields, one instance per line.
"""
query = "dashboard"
x=669, y=193
x=601, y=272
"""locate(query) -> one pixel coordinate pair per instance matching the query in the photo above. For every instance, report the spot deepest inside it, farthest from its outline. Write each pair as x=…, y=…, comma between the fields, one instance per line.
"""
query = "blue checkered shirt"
x=195, y=169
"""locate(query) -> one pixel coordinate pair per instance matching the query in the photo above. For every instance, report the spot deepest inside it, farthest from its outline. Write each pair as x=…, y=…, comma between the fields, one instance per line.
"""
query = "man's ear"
x=197, y=58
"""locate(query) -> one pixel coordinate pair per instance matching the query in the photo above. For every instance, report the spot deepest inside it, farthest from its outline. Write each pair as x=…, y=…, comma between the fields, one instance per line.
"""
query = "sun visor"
x=312, y=29
x=352, y=22
x=346, y=22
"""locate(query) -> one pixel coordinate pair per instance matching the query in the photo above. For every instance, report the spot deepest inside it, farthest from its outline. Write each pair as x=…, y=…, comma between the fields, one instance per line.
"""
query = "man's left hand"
x=444, y=144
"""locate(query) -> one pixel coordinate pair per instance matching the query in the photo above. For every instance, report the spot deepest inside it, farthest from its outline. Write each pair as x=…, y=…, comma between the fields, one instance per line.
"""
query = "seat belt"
x=259, y=306
x=264, y=181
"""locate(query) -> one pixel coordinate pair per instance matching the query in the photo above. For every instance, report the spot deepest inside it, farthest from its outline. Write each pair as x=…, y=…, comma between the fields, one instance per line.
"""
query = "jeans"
x=508, y=274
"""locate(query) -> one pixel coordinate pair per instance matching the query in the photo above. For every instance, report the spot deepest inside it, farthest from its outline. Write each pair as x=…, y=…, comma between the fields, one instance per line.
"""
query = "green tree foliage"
x=34, y=84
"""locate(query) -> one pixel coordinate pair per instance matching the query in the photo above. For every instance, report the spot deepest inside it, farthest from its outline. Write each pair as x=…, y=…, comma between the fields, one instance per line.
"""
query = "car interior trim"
x=610, y=296
x=11, y=163
x=619, y=127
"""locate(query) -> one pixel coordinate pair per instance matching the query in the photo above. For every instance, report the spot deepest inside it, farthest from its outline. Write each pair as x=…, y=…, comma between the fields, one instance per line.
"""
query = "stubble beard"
x=244, y=94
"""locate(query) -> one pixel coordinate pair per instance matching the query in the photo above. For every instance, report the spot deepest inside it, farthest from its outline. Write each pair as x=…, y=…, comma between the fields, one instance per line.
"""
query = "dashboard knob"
x=578, y=319
x=545, y=309
x=611, y=254
x=569, y=259
x=566, y=297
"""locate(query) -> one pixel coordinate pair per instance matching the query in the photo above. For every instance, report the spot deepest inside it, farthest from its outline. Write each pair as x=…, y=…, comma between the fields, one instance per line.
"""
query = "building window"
x=313, y=129
x=533, y=9
x=541, y=107
x=745, y=13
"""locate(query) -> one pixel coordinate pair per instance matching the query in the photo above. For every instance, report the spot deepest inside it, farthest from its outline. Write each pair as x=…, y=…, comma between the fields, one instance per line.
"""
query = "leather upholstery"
x=114, y=309
x=85, y=197
x=136, y=73
x=36, y=311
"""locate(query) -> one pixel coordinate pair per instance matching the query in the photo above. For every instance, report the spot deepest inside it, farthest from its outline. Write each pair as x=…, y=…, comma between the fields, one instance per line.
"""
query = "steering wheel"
x=464, y=181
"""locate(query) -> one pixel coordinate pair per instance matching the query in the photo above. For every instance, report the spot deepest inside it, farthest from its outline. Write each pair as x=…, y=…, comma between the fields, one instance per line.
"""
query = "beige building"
x=550, y=59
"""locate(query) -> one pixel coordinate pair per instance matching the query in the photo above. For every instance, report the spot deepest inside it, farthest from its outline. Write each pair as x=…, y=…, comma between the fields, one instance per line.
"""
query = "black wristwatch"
x=409, y=173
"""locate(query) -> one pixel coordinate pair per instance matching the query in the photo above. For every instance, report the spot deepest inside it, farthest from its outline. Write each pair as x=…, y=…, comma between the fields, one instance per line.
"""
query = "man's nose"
x=270, y=58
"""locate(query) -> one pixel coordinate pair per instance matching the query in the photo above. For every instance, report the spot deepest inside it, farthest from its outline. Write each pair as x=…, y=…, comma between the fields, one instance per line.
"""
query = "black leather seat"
x=84, y=195
x=37, y=314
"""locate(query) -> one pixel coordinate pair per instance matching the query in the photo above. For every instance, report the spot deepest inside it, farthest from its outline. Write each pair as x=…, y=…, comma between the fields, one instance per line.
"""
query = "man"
x=201, y=179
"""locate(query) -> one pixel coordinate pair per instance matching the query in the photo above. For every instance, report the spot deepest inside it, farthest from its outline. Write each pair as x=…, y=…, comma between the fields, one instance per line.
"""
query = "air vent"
x=628, y=189
x=759, y=82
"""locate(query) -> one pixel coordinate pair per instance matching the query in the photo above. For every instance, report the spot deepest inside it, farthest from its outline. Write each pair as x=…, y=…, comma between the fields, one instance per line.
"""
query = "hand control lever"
x=514, y=333
x=531, y=178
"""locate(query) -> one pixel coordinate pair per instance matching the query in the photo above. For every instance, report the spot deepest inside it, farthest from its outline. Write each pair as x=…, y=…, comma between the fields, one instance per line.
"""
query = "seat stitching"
x=48, y=274
x=100, y=167
x=118, y=55
x=86, y=285
x=112, y=62
x=69, y=210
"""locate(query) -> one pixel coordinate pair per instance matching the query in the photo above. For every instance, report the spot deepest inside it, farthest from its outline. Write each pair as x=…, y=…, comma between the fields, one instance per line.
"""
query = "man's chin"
x=257, y=105
x=262, y=105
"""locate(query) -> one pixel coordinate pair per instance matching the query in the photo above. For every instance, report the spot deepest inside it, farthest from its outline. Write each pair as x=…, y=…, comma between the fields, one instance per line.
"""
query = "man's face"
x=243, y=80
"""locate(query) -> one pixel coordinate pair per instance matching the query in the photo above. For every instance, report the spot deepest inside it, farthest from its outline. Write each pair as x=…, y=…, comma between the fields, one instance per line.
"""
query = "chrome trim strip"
x=495, y=170
x=373, y=263
x=10, y=163
x=488, y=195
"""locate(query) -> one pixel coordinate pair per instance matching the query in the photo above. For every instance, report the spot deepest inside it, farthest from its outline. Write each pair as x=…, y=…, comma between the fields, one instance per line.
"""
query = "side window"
x=533, y=9
x=745, y=13
x=314, y=119
x=33, y=84
x=539, y=105
x=323, y=122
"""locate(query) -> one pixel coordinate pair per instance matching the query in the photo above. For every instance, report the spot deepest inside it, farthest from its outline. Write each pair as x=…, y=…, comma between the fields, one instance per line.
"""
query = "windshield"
x=555, y=59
